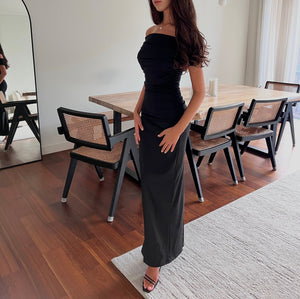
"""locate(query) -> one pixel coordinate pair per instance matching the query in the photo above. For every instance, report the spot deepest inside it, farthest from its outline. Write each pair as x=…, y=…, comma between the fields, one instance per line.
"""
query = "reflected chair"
x=260, y=122
x=215, y=133
x=21, y=113
x=94, y=144
x=287, y=114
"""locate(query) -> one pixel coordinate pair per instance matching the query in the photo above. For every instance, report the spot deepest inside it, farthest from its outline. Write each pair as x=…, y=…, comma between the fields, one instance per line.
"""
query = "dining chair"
x=21, y=113
x=94, y=144
x=287, y=114
x=214, y=134
x=260, y=122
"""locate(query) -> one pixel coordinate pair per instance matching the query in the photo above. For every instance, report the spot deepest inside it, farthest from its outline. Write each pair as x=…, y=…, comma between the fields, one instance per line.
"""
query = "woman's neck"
x=167, y=17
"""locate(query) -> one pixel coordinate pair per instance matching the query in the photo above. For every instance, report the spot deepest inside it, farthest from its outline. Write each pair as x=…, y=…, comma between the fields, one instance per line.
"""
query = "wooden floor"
x=54, y=250
x=19, y=152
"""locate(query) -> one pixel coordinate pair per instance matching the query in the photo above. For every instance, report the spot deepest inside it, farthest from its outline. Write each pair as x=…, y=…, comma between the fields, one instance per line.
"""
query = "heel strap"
x=149, y=279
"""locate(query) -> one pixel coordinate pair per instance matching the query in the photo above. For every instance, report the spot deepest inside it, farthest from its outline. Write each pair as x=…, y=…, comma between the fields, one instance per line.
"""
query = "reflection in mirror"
x=21, y=143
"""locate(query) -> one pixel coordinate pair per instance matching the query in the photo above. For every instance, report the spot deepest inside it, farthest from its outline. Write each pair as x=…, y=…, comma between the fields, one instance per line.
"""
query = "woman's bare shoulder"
x=151, y=30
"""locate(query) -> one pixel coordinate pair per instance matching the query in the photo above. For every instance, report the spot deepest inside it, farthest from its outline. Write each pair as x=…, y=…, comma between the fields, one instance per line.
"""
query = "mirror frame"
x=35, y=83
x=34, y=75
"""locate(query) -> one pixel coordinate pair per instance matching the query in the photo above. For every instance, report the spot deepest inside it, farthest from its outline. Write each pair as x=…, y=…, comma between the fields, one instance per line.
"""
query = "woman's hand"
x=170, y=138
x=137, y=126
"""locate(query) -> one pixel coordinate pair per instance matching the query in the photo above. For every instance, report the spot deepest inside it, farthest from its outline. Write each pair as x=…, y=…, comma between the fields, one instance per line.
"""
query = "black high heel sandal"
x=149, y=279
x=153, y=282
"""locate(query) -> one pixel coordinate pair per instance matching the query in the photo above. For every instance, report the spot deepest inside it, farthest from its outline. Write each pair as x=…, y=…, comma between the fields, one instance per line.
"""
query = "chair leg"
x=211, y=158
x=244, y=146
x=99, y=172
x=121, y=171
x=11, y=134
x=282, y=127
x=238, y=158
x=32, y=125
x=230, y=165
x=271, y=152
x=199, y=160
x=70, y=175
x=193, y=167
x=291, y=120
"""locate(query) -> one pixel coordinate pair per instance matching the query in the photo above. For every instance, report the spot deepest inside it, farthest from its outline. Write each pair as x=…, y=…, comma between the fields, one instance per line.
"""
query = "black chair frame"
x=228, y=133
x=269, y=136
x=129, y=152
x=21, y=113
x=287, y=114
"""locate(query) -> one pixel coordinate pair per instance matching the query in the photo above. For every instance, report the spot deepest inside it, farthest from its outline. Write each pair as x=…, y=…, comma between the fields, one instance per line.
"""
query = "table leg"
x=117, y=122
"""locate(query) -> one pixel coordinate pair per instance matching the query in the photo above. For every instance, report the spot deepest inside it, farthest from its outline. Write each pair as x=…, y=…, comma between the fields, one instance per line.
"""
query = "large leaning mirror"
x=20, y=142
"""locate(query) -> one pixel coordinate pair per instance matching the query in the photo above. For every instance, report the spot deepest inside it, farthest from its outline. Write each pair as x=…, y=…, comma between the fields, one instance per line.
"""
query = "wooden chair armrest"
x=121, y=136
x=16, y=103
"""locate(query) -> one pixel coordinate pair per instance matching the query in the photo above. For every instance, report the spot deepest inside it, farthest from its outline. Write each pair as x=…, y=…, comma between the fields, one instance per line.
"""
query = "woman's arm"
x=171, y=135
x=136, y=116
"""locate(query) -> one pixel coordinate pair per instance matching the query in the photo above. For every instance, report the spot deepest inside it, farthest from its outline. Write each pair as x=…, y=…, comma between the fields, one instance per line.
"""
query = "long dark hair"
x=5, y=60
x=192, y=45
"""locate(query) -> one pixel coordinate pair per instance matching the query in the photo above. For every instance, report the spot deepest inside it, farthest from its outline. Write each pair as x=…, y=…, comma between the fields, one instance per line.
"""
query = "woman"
x=3, y=87
x=171, y=46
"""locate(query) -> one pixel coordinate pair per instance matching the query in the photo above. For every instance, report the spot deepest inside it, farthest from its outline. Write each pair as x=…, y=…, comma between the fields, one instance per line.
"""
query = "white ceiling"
x=12, y=7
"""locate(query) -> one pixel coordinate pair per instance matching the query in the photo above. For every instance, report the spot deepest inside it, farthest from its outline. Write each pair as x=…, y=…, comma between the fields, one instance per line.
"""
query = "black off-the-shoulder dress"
x=161, y=174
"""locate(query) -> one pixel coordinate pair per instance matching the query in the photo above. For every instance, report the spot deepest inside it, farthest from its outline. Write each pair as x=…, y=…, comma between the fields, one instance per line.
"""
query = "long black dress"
x=161, y=174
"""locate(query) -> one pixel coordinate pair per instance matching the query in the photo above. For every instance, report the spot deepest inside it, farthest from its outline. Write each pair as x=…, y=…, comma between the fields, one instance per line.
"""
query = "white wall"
x=89, y=47
x=15, y=38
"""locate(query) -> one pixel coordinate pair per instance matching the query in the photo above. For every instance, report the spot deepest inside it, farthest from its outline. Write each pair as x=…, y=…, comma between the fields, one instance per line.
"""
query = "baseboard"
x=56, y=147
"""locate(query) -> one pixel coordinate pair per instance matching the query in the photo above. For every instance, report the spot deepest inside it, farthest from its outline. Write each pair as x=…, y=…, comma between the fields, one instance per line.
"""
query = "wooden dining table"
x=124, y=104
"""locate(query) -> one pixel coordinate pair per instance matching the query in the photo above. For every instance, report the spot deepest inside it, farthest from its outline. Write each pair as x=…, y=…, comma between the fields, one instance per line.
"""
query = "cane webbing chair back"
x=221, y=121
x=283, y=86
x=87, y=129
x=264, y=112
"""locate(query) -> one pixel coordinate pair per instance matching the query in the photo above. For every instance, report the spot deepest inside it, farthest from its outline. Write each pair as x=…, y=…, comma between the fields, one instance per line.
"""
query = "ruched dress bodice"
x=162, y=92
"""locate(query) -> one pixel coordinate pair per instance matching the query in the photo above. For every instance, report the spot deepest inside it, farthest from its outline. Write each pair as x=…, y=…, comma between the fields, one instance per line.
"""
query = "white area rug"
x=247, y=249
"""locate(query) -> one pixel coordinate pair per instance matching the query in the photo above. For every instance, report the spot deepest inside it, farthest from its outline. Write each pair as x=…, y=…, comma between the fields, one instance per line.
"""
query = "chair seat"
x=199, y=145
x=110, y=157
x=260, y=132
